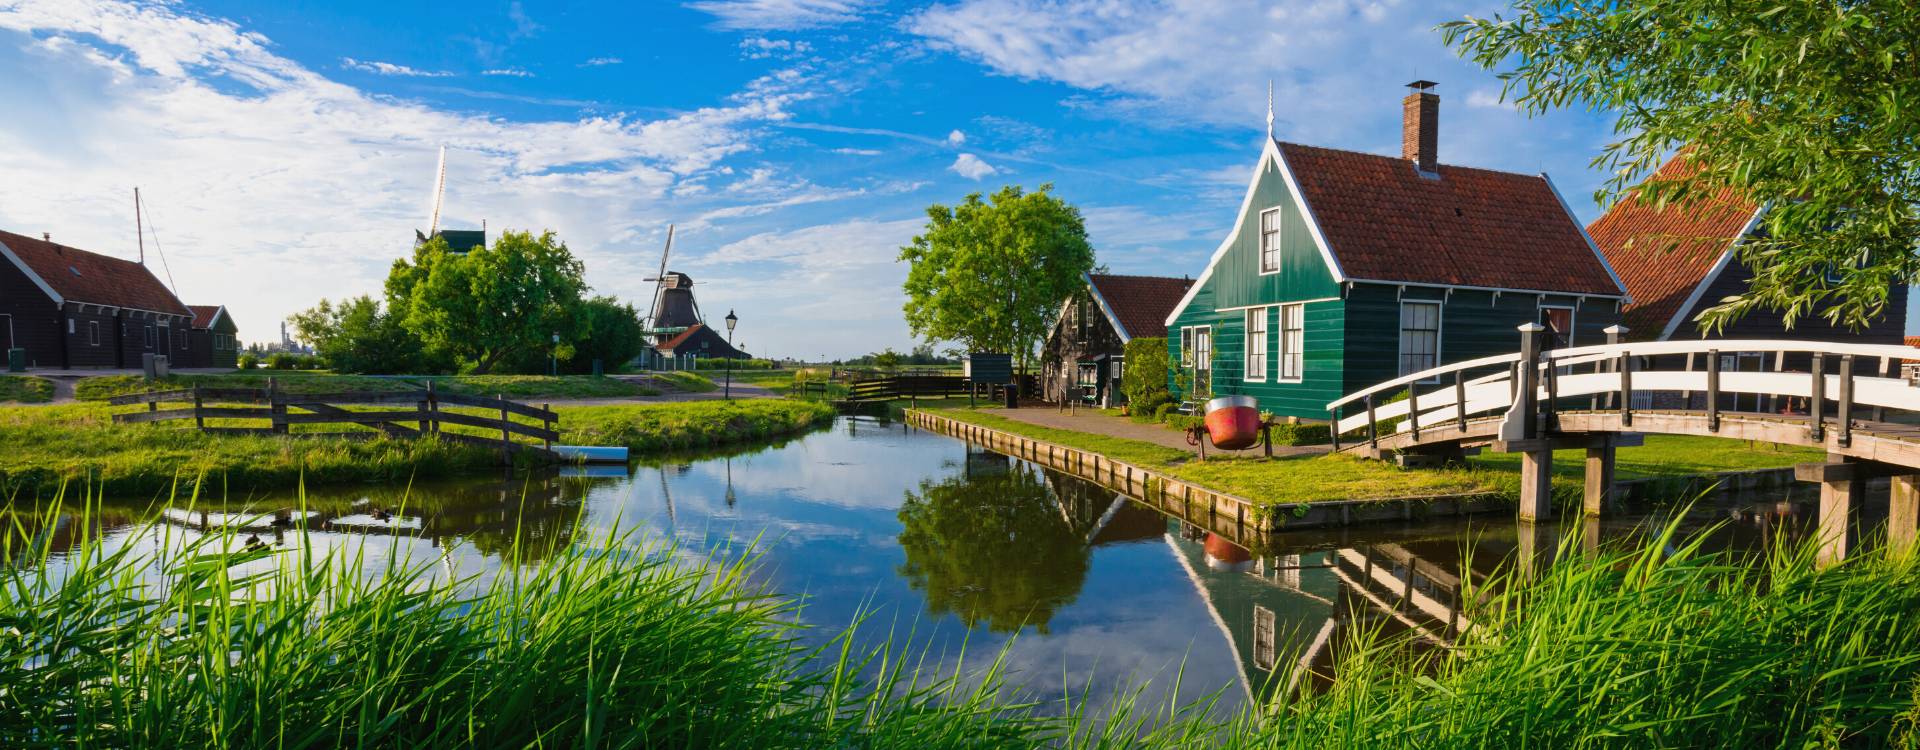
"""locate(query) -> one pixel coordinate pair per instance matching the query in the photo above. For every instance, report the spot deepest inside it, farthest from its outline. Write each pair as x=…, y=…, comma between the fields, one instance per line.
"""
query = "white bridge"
x=1848, y=399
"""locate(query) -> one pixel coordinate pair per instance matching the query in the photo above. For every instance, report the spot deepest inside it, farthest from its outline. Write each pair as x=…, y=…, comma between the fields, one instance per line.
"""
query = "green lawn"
x=45, y=444
x=511, y=386
x=25, y=389
x=687, y=381
x=538, y=386
x=1324, y=478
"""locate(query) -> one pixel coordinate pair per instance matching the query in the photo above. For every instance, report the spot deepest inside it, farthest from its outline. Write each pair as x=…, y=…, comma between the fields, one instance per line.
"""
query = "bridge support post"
x=1536, y=485
x=1535, y=552
x=1843, y=488
x=1903, y=513
x=1599, y=476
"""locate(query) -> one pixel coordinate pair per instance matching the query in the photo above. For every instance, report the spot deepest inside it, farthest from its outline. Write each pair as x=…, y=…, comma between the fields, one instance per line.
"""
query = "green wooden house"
x=1345, y=269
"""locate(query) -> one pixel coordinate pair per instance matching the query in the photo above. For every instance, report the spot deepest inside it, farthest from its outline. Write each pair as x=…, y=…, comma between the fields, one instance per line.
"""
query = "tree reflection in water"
x=993, y=548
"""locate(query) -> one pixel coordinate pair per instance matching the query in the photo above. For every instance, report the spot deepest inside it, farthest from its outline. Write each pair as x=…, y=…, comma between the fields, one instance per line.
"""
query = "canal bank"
x=1316, y=491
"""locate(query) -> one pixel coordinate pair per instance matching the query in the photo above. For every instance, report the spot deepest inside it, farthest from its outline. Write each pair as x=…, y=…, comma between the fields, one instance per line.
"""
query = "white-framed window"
x=69, y=326
x=1270, y=240
x=1257, y=344
x=149, y=337
x=1203, y=356
x=186, y=340
x=1265, y=625
x=1558, y=320
x=1293, y=342
x=1419, y=336
x=1186, y=347
x=93, y=332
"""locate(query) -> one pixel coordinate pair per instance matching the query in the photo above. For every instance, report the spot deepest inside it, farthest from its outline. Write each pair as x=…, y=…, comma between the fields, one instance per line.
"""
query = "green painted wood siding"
x=1473, y=324
x=1322, y=361
x=1303, y=273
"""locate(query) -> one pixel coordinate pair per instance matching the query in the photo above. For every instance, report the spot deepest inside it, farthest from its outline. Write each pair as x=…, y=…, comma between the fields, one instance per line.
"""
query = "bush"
x=249, y=361
x=1144, y=380
x=720, y=363
x=1300, y=434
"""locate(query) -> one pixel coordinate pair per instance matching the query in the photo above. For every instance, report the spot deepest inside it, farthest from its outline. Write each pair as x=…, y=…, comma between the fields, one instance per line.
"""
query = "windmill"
x=674, y=309
x=458, y=240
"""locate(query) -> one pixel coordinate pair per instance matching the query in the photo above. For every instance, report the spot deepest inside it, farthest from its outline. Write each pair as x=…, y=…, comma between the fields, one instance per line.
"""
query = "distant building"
x=458, y=240
x=213, y=340
x=1085, y=354
x=676, y=330
x=70, y=308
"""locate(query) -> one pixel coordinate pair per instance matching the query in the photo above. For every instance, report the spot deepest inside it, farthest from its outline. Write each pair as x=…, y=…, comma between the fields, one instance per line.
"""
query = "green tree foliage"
x=992, y=547
x=356, y=335
x=613, y=335
x=1806, y=107
x=494, y=303
x=1144, y=377
x=992, y=274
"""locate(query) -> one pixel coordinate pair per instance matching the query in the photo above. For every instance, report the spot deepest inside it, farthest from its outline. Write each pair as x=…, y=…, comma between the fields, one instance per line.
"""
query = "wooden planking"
x=496, y=403
x=470, y=420
x=154, y=416
x=142, y=398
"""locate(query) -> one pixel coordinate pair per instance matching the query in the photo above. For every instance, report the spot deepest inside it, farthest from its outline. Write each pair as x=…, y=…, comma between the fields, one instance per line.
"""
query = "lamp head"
x=732, y=320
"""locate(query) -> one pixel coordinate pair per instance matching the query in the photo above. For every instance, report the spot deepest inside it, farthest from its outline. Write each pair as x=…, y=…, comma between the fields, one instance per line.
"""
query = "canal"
x=958, y=550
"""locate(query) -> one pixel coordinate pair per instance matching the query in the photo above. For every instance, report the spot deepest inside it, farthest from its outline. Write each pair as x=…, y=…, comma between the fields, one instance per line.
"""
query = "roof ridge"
x=1487, y=170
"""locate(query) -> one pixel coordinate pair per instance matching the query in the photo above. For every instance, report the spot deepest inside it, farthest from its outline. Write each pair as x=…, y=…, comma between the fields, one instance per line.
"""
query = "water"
x=926, y=536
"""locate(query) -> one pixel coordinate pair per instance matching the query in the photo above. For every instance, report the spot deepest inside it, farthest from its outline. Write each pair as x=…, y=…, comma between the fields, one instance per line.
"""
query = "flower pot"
x=1233, y=422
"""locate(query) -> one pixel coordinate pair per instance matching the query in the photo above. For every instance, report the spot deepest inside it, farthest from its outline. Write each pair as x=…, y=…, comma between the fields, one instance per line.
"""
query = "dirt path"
x=1121, y=427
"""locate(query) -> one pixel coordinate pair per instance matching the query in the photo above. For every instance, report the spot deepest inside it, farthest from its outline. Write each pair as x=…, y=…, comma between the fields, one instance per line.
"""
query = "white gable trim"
x=1591, y=245
x=1719, y=266
x=218, y=313
x=1106, y=309
x=28, y=270
x=1271, y=153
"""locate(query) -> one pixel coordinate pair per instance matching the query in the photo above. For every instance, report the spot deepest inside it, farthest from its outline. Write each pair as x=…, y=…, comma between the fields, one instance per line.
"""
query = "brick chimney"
x=1420, y=127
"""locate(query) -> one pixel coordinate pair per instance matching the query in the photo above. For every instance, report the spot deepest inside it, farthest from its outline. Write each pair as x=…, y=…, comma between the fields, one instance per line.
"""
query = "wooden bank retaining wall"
x=1238, y=518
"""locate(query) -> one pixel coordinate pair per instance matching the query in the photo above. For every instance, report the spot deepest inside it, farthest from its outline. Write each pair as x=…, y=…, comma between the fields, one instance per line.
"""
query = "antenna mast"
x=439, y=190
x=139, y=230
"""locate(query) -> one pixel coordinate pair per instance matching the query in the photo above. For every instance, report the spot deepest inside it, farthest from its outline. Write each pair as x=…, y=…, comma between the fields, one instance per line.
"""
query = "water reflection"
x=962, y=547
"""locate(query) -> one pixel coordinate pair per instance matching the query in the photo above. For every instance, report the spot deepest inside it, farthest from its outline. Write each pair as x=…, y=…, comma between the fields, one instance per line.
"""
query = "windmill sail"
x=660, y=280
x=439, y=191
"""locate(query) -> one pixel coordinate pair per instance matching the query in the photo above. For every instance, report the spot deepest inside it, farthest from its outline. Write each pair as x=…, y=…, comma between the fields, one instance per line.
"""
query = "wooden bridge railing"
x=281, y=410
x=1611, y=375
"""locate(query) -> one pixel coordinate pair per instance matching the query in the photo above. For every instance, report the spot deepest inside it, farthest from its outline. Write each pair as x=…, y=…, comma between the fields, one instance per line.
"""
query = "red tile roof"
x=1141, y=304
x=81, y=276
x=1470, y=227
x=203, y=315
x=1663, y=253
x=691, y=338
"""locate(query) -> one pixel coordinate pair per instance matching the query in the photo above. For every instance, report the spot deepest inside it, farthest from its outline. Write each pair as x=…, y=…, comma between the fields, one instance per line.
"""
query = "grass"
x=46, y=444
x=1309, y=479
x=687, y=382
x=610, y=642
x=25, y=389
x=511, y=386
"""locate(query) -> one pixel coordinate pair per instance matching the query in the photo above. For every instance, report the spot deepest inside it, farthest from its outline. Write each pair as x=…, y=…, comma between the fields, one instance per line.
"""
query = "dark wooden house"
x=1678, y=260
x=69, y=308
x=213, y=341
x=1085, y=354
x=1345, y=269
x=697, y=342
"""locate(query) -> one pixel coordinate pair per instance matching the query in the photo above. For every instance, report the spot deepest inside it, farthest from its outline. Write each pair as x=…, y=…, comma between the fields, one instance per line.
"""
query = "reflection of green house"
x=1345, y=269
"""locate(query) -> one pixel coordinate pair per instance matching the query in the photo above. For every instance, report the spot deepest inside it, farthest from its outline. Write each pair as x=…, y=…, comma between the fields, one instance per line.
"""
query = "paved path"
x=1101, y=424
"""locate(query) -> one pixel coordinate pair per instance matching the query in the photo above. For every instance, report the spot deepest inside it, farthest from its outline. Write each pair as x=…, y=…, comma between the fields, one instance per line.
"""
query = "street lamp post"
x=553, y=357
x=732, y=320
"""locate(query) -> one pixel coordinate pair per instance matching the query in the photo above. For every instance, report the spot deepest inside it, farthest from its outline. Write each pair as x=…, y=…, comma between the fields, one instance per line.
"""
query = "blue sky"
x=286, y=150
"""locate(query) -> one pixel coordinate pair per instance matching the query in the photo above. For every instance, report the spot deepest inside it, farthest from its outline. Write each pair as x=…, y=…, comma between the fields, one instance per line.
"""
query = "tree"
x=1810, y=108
x=613, y=334
x=993, y=274
x=491, y=304
x=357, y=336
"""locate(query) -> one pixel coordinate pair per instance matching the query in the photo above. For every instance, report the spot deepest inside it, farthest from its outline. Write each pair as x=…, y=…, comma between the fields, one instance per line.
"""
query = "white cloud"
x=956, y=138
x=857, y=151
x=761, y=48
x=972, y=167
x=595, y=62
x=273, y=186
x=843, y=279
x=1487, y=99
x=766, y=15
x=513, y=72
x=390, y=69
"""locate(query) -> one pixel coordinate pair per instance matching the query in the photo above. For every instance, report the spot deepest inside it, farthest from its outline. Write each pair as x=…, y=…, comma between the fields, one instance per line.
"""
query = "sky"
x=285, y=151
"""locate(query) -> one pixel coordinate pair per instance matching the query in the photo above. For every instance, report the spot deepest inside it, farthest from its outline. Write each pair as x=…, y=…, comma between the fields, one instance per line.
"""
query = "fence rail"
x=281, y=411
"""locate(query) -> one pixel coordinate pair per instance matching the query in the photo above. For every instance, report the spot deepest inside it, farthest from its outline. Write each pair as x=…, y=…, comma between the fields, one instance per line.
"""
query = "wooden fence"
x=410, y=414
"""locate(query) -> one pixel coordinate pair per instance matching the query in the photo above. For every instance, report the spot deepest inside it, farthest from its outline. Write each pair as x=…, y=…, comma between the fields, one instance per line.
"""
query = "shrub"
x=1144, y=381
x=1161, y=411
x=1300, y=434
x=249, y=361
x=280, y=361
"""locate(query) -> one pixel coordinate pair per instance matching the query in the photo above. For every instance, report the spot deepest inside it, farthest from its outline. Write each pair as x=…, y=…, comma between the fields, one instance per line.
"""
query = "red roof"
x=1468, y=227
x=1663, y=253
x=1140, y=304
x=691, y=338
x=203, y=315
x=80, y=276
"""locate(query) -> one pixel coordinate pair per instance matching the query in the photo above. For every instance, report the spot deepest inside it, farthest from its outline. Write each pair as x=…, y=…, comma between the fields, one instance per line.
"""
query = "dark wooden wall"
x=1888, y=330
x=35, y=319
x=1071, y=342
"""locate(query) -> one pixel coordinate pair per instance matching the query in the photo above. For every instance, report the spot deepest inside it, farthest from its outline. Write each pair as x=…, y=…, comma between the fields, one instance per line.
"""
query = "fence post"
x=277, y=406
x=199, y=422
x=1526, y=387
x=1713, y=390
x=1818, y=402
x=1626, y=389
x=1373, y=427
x=547, y=424
x=1886, y=371
x=1333, y=427
x=1413, y=409
x=506, y=437
x=426, y=417
x=1614, y=333
x=1846, y=400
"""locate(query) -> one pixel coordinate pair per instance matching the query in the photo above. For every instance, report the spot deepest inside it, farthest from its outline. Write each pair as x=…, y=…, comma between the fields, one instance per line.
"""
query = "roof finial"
x=1269, y=109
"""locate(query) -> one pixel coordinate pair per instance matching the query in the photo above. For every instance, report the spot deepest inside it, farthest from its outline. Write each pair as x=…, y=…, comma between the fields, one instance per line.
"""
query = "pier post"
x=1599, y=475
x=1536, y=485
x=1843, y=484
x=1903, y=513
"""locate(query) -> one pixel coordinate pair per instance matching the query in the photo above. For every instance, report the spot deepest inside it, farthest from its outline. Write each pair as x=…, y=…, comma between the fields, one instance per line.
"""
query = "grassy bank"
x=606, y=643
x=25, y=389
x=511, y=386
x=44, y=444
x=687, y=382
x=1323, y=478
